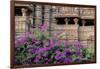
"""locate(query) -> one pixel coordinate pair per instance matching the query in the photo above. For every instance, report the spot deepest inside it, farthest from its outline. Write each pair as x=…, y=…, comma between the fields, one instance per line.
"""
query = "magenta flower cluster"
x=31, y=50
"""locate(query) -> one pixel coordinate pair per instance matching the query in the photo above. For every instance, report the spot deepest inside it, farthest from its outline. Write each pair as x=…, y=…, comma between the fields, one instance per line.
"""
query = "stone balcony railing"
x=20, y=22
x=20, y=18
x=85, y=32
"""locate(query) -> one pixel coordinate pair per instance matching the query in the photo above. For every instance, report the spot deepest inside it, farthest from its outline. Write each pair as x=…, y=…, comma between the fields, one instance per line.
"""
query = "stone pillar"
x=83, y=22
x=23, y=10
x=76, y=32
x=47, y=14
x=53, y=19
x=66, y=20
x=38, y=15
x=76, y=21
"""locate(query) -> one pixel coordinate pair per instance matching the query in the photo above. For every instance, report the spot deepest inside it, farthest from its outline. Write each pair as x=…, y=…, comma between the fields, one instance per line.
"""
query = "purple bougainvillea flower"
x=51, y=42
x=64, y=53
x=46, y=58
x=45, y=54
x=58, y=52
x=20, y=41
x=44, y=27
x=36, y=60
x=58, y=43
x=41, y=50
x=59, y=55
x=23, y=39
x=68, y=60
x=46, y=63
x=32, y=50
x=78, y=44
x=38, y=56
x=68, y=53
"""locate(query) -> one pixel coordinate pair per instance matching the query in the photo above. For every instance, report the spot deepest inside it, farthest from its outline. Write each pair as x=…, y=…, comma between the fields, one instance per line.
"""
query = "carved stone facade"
x=74, y=21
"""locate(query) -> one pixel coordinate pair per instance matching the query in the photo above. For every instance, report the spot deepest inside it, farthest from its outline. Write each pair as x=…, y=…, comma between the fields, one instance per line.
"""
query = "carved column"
x=38, y=15
x=66, y=20
x=47, y=14
x=23, y=10
x=76, y=21
x=76, y=35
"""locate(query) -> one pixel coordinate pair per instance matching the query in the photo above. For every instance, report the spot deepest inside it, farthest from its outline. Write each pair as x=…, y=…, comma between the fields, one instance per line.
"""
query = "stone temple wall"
x=48, y=14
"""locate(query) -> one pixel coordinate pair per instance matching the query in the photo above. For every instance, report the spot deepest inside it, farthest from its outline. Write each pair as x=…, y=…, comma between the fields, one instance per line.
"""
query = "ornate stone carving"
x=76, y=21
x=23, y=10
x=66, y=20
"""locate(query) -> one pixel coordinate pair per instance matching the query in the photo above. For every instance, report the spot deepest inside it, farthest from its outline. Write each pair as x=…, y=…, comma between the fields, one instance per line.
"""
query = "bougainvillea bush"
x=39, y=48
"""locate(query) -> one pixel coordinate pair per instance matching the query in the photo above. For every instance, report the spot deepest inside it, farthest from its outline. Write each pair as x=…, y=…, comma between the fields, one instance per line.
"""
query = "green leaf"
x=42, y=61
x=74, y=57
x=33, y=55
